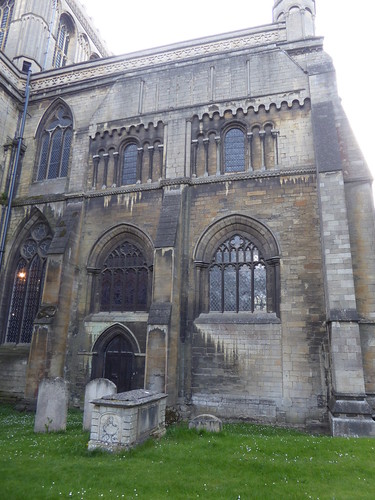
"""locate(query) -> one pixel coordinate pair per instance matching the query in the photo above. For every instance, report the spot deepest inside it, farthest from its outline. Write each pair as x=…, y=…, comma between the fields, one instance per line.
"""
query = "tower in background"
x=299, y=17
x=47, y=34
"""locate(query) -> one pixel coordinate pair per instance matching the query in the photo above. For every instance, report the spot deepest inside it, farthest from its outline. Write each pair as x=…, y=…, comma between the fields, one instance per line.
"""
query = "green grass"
x=243, y=462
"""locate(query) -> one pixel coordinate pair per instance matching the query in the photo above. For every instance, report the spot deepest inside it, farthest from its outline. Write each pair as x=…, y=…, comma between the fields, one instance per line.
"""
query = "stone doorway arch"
x=114, y=358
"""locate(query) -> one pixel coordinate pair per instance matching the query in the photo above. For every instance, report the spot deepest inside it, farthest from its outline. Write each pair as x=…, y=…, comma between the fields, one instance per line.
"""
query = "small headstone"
x=96, y=389
x=208, y=423
x=52, y=405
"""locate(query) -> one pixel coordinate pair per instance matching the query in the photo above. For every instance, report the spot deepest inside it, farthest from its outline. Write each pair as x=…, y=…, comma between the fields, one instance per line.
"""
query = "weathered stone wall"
x=13, y=359
x=141, y=210
x=13, y=366
x=173, y=95
x=300, y=191
x=296, y=343
x=114, y=113
x=9, y=111
x=237, y=370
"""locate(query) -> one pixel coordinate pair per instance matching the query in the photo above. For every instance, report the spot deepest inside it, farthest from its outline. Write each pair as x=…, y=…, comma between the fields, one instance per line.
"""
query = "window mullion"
x=126, y=281
x=112, y=290
x=252, y=287
x=222, y=268
x=237, y=287
x=137, y=277
x=61, y=151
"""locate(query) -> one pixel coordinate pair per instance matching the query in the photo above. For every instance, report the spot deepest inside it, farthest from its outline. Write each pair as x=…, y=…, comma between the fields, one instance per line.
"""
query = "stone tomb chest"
x=123, y=420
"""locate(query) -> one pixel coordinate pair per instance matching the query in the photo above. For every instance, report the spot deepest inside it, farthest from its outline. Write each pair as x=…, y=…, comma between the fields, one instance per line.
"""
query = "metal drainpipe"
x=15, y=168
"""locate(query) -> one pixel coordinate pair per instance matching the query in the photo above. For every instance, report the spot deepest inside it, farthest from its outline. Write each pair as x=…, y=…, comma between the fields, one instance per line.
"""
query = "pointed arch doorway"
x=114, y=359
x=119, y=363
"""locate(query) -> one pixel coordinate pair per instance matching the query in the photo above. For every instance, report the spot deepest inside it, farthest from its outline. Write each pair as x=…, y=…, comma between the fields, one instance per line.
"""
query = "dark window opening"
x=129, y=170
x=124, y=280
x=27, y=287
x=55, y=146
x=234, y=151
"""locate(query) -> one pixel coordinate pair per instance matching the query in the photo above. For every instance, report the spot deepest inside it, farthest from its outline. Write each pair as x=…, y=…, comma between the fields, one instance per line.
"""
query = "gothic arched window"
x=6, y=12
x=129, y=167
x=63, y=39
x=124, y=280
x=27, y=287
x=55, y=146
x=237, y=277
x=234, y=151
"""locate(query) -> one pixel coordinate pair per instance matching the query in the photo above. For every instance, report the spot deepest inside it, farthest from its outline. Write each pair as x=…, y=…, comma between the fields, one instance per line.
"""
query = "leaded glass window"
x=55, y=146
x=27, y=288
x=6, y=13
x=62, y=45
x=124, y=280
x=129, y=169
x=234, y=151
x=237, y=277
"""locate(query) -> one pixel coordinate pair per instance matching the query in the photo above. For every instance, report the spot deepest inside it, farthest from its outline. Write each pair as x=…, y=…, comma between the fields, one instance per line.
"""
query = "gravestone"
x=206, y=422
x=52, y=405
x=95, y=389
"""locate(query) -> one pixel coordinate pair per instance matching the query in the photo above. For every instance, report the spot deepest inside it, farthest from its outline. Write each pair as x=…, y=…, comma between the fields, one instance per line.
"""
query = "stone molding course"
x=294, y=173
x=140, y=60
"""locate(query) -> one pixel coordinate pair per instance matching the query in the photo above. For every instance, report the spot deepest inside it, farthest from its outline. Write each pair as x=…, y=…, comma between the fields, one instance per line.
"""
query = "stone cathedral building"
x=195, y=219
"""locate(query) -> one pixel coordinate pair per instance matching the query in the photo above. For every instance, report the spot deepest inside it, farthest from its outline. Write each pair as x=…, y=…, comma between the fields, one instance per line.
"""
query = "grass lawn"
x=243, y=462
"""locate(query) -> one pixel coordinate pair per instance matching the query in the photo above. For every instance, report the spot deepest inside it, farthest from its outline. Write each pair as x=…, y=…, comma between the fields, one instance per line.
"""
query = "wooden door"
x=119, y=363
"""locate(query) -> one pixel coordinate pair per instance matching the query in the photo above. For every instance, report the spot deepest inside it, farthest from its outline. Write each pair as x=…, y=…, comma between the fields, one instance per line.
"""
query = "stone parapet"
x=185, y=51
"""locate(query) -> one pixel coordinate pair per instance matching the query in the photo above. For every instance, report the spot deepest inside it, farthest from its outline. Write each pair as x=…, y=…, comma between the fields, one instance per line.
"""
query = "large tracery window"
x=55, y=147
x=237, y=276
x=124, y=280
x=6, y=12
x=27, y=285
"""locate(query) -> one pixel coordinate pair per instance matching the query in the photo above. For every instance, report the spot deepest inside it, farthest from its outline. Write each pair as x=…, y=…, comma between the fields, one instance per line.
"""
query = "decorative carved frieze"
x=129, y=63
x=9, y=75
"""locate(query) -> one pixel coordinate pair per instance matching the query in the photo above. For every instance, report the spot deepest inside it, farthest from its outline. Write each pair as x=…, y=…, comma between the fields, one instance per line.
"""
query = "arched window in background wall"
x=129, y=168
x=55, y=146
x=6, y=12
x=63, y=41
x=124, y=280
x=27, y=286
x=234, y=151
x=238, y=277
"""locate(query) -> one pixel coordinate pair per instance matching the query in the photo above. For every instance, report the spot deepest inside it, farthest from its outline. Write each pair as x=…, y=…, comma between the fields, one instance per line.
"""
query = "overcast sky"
x=347, y=27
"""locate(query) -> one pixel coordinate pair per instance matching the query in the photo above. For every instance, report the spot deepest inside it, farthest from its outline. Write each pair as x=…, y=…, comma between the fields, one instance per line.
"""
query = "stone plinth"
x=350, y=416
x=124, y=420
